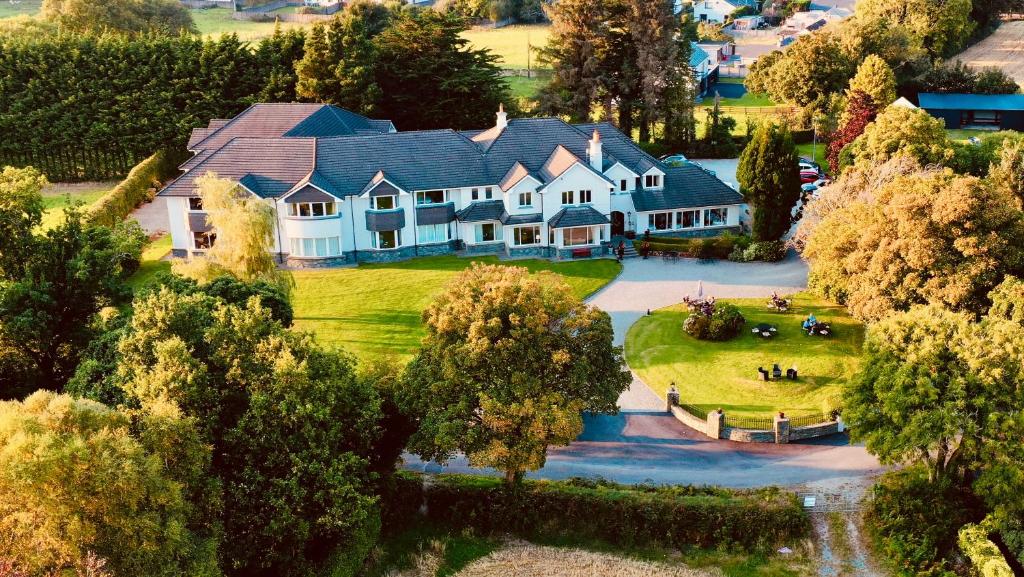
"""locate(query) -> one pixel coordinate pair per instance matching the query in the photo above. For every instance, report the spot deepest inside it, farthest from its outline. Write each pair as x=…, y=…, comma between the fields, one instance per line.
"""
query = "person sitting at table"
x=810, y=322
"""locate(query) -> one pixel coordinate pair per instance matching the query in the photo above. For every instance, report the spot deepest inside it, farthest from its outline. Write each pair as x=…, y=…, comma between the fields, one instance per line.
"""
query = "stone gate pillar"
x=781, y=429
x=672, y=398
x=716, y=424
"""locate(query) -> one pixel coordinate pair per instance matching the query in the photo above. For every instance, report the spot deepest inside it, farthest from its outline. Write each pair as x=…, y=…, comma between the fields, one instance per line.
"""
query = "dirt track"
x=1003, y=49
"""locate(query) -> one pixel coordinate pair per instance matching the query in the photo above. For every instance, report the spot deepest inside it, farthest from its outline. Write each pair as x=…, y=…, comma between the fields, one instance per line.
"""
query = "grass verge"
x=57, y=197
x=724, y=374
x=511, y=44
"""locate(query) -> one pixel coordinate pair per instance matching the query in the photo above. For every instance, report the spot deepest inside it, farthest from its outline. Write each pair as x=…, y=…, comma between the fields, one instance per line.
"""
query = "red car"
x=809, y=176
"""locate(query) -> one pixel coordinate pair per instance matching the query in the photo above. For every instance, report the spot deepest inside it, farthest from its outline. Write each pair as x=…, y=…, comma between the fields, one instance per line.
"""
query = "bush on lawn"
x=767, y=251
x=915, y=522
x=618, y=514
x=721, y=325
x=137, y=188
x=986, y=557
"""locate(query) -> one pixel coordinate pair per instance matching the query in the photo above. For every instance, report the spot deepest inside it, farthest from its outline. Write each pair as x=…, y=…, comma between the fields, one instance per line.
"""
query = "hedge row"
x=717, y=247
x=986, y=557
x=130, y=193
x=617, y=514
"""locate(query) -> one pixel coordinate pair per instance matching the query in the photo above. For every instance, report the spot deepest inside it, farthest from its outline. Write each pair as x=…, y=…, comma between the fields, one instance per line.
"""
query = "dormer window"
x=311, y=209
x=652, y=181
x=195, y=203
x=383, y=202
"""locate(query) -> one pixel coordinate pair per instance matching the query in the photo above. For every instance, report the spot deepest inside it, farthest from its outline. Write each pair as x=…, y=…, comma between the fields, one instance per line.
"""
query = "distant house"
x=705, y=67
x=991, y=111
x=747, y=22
x=902, y=102
x=718, y=10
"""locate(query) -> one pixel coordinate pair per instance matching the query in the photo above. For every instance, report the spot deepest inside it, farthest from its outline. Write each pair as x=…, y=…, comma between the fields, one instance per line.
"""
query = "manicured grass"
x=962, y=134
x=213, y=22
x=748, y=99
x=22, y=8
x=819, y=153
x=511, y=43
x=57, y=197
x=374, y=310
x=523, y=87
x=712, y=374
x=152, y=262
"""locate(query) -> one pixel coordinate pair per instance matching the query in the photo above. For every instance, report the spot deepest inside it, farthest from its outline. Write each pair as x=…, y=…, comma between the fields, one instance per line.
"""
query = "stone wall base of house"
x=179, y=253
x=603, y=249
x=294, y=262
x=436, y=249
x=387, y=255
x=496, y=248
x=694, y=233
x=529, y=252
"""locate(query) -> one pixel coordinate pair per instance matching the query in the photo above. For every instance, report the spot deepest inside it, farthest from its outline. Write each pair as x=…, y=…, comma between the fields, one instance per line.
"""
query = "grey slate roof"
x=385, y=220
x=686, y=186
x=697, y=55
x=576, y=216
x=483, y=211
x=435, y=213
x=309, y=194
x=267, y=166
x=514, y=219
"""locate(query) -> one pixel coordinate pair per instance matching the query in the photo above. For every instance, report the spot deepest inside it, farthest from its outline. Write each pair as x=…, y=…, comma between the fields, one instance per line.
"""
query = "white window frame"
x=706, y=221
x=317, y=247
x=679, y=218
x=421, y=197
x=525, y=199
x=652, y=181
x=376, y=243
x=517, y=235
x=496, y=232
x=586, y=196
x=568, y=233
x=567, y=194
x=375, y=202
x=327, y=209
x=200, y=201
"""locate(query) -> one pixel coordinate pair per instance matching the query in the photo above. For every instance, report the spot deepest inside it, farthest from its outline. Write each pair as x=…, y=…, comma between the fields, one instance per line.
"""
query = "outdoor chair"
x=776, y=371
x=764, y=373
x=791, y=374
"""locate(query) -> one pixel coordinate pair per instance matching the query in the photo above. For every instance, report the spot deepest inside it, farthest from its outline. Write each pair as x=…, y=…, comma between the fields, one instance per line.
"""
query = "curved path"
x=644, y=444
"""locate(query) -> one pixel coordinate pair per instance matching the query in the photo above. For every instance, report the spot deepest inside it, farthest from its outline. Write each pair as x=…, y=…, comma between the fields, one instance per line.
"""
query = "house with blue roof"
x=978, y=111
x=349, y=189
x=719, y=10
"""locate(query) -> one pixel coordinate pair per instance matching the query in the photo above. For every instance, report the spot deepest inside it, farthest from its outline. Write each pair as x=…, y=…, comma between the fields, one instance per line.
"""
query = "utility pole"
x=528, y=50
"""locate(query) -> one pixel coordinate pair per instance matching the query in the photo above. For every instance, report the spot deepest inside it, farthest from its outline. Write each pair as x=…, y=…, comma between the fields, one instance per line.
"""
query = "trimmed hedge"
x=617, y=514
x=713, y=247
x=130, y=193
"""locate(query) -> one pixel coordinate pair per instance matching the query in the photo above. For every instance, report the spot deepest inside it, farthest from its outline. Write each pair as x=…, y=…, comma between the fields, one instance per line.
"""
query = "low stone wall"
x=699, y=425
x=812, y=431
x=748, y=435
x=781, y=432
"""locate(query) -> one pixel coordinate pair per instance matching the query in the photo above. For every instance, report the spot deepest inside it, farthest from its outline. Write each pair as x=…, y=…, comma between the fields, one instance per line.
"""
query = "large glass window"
x=311, y=209
x=525, y=199
x=386, y=239
x=687, y=218
x=428, y=233
x=578, y=236
x=195, y=203
x=430, y=197
x=487, y=232
x=526, y=235
x=716, y=216
x=316, y=247
x=203, y=240
x=659, y=221
x=383, y=202
x=622, y=184
x=652, y=180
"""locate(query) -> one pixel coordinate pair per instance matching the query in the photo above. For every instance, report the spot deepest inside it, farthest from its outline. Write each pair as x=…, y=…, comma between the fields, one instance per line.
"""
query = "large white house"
x=718, y=10
x=347, y=189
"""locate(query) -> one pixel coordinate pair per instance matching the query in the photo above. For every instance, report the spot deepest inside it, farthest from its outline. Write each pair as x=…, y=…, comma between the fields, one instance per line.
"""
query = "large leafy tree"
x=1008, y=170
x=160, y=16
x=903, y=131
x=859, y=113
x=769, y=177
x=292, y=428
x=946, y=392
x=47, y=307
x=21, y=211
x=941, y=26
x=79, y=482
x=811, y=68
x=874, y=78
x=509, y=362
x=931, y=238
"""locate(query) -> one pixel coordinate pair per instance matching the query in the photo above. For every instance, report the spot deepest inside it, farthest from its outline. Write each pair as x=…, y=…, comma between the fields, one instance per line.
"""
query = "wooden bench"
x=581, y=253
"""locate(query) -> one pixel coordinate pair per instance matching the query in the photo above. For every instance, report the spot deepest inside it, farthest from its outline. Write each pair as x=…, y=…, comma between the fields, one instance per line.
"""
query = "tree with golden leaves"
x=244, y=227
x=510, y=362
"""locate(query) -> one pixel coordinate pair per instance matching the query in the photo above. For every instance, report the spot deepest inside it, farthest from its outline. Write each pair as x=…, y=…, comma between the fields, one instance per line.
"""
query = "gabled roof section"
x=686, y=186
x=560, y=161
x=617, y=144
x=486, y=138
x=381, y=185
x=483, y=211
x=330, y=120
x=697, y=55
x=269, y=167
x=577, y=216
x=515, y=175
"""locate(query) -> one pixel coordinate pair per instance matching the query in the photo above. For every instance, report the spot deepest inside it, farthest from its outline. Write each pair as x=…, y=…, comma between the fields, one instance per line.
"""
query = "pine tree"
x=769, y=178
x=576, y=50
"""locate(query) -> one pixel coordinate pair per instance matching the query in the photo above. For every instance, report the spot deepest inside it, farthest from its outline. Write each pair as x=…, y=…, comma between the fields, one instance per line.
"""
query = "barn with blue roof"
x=978, y=111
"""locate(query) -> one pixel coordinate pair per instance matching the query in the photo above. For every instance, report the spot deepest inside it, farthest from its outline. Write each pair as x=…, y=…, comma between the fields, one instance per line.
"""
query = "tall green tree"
x=576, y=51
x=874, y=78
x=509, y=362
x=1008, y=170
x=899, y=131
x=293, y=429
x=77, y=483
x=769, y=177
x=21, y=211
x=142, y=16
x=943, y=27
x=811, y=68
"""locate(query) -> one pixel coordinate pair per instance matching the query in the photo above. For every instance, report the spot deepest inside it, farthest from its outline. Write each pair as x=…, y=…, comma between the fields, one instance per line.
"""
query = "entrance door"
x=618, y=223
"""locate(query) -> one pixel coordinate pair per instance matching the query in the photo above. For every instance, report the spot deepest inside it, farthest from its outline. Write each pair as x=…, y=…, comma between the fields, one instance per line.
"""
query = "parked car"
x=674, y=159
x=810, y=163
x=814, y=187
x=809, y=175
x=786, y=41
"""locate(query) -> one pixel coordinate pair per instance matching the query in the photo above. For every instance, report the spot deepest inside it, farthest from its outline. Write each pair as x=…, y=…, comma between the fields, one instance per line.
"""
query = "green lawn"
x=711, y=375
x=962, y=134
x=23, y=8
x=523, y=87
x=213, y=22
x=152, y=262
x=511, y=43
x=57, y=197
x=748, y=99
x=374, y=310
x=819, y=153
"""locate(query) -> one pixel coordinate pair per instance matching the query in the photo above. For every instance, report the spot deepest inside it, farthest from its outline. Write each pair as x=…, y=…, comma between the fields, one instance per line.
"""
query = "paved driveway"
x=643, y=443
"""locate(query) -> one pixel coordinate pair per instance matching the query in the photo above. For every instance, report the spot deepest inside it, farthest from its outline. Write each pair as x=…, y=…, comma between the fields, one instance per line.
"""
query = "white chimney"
x=502, y=117
x=594, y=152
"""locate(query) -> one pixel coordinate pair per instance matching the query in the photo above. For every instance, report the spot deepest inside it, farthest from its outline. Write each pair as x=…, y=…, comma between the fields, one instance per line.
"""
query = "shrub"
x=767, y=251
x=916, y=521
x=722, y=324
x=137, y=188
x=617, y=514
x=983, y=553
x=706, y=248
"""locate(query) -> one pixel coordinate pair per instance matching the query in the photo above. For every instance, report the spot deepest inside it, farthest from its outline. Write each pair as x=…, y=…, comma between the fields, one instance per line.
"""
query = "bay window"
x=578, y=236
x=526, y=235
x=385, y=239
x=431, y=233
x=487, y=232
x=659, y=221
x=383, y=202
x=316, y=247
x=716, y=216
